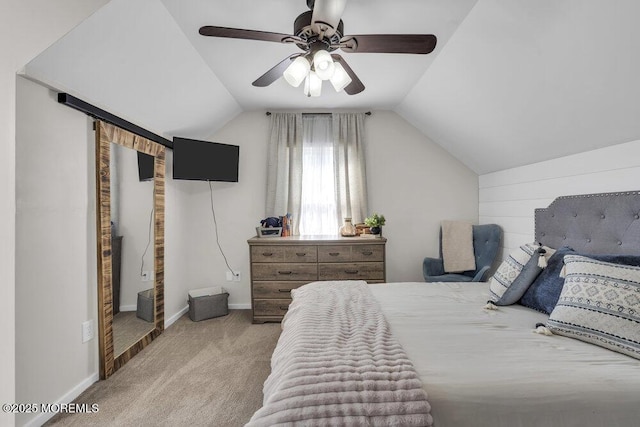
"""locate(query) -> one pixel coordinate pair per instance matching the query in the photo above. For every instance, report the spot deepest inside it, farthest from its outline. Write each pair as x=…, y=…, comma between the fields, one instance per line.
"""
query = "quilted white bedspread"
x=338, y=364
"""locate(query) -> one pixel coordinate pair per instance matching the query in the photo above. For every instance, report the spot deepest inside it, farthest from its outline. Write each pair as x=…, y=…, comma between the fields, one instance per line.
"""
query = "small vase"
x=347, y=229
x=376, y=230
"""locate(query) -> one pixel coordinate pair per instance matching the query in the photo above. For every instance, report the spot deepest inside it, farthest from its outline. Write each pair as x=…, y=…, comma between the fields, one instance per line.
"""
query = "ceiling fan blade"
x=237, y=33
x=389, y=43
x=326, y=15
x=275, y=73
x=356, y=85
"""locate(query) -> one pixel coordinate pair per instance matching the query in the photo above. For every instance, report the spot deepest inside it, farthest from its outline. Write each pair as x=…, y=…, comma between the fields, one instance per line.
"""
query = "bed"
x=476, y=367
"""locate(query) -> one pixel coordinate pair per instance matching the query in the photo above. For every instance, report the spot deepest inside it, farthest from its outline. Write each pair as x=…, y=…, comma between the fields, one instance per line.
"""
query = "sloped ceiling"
x=511, y=82
x=524, y=81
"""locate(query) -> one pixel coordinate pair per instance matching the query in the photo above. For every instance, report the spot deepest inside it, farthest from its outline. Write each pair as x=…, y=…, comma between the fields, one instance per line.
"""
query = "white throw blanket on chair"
x=457, y=246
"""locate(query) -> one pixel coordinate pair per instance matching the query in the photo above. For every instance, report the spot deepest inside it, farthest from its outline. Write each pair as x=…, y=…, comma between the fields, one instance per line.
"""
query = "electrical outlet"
x=233, y=277
x=147, y=276
x=87, y=331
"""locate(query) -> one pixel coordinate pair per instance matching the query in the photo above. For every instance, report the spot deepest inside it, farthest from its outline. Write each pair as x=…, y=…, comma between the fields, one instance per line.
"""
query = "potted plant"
x=375, y=222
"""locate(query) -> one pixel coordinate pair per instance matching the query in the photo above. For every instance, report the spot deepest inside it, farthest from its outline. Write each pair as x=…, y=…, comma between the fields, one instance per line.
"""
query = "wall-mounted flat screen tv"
x=145, y=166
x=205, y=161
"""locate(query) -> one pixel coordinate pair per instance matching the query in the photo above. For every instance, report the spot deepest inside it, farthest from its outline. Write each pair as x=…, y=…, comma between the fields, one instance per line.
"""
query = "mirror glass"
x=128, y=247
x=132, y=241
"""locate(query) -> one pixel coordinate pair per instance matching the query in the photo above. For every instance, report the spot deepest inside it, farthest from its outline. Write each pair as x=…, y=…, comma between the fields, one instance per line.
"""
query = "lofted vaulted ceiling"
x=511, y=82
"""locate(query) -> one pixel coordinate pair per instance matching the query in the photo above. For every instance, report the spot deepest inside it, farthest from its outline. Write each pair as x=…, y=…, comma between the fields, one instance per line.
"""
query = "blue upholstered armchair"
x=486, y=241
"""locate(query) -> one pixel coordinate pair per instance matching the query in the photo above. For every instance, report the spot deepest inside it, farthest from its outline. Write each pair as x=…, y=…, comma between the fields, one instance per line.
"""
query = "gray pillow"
x=516, y=273
x=519, y=286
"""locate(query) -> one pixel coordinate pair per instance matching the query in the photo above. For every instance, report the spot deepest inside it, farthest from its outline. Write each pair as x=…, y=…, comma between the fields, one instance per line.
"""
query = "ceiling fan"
x=318, y=33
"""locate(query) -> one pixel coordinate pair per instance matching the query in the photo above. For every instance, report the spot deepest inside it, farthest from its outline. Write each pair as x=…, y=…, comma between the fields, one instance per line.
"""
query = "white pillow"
x=599, y=304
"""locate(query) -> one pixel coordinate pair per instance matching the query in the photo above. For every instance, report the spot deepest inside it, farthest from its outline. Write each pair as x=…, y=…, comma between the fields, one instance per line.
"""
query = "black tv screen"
x=145, y=166
x=205, y=161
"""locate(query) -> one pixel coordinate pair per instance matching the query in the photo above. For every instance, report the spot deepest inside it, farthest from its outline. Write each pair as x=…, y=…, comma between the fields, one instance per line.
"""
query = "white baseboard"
x=240, y=306
x=43, y=417
x=128, y=307
x=170, y=321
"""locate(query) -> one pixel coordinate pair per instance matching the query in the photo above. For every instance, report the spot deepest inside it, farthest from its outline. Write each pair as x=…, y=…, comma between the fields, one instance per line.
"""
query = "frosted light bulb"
x=323, y=64
x=297, y=71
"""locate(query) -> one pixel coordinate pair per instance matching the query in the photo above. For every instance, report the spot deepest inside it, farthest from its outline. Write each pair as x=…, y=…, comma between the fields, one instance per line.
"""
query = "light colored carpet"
x=127, y=330
x=207, y=373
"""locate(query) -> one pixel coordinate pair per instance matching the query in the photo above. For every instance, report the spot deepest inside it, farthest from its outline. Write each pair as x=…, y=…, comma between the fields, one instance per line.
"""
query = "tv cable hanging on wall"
x=215, y=225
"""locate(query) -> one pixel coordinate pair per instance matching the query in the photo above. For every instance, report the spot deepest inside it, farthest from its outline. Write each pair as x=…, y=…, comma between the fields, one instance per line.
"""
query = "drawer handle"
x=367, y=253
x=284, y=290
x=334, y=253
x=285, y=272
x=284, y=307
x=301, y=253
x=351, y=271
x=267, y=254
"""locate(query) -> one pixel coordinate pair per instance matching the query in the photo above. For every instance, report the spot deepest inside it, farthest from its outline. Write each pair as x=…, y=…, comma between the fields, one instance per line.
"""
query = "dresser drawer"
x=334, y=253
x=280, y=253
x=367, y=253
x=284, y=271
x=345, y=253
x=267, y=253
x=301, y=253
x=351, y=271
x=270, y=307
x=275, y=289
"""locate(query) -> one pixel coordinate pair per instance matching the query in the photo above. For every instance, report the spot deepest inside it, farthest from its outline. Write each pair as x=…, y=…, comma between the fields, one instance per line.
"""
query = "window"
x=318, y=211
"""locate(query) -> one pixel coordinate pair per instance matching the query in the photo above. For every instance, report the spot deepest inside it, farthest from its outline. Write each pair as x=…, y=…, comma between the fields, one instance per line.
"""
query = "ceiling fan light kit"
x=297, y=71
x=318, y=32
x=323, y=64
x=340, y=78
x=313, y=85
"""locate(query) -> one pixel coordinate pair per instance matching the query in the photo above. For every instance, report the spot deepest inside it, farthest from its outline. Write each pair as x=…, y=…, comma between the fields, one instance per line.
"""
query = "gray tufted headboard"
x=604, y=223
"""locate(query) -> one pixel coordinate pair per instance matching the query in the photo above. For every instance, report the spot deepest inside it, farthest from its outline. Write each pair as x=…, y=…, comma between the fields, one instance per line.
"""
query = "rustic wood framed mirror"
x=108, y=138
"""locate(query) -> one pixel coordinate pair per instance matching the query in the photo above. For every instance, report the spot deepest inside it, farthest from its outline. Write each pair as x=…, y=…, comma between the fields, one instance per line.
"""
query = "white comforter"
x=337, y=363
x=488, y=368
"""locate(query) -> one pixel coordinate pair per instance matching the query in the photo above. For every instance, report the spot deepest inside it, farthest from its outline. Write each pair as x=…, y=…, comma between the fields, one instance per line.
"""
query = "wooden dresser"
x=279, y=264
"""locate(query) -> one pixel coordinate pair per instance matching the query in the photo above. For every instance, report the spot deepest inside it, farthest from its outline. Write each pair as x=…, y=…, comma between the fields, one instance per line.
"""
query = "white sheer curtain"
x=284, y=167
x=318, y=207
x=316, y=170
x=349, y=163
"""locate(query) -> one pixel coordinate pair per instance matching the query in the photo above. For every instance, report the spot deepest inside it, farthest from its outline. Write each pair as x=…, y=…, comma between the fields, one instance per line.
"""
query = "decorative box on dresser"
x=279, y=264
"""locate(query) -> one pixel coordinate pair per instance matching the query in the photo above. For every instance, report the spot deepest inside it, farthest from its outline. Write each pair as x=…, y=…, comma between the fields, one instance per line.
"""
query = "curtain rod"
x=368, y=113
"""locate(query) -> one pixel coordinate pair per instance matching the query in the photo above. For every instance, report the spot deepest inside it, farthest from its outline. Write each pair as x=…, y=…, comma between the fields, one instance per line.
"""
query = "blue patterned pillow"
x=599, y=304
x=544, y=292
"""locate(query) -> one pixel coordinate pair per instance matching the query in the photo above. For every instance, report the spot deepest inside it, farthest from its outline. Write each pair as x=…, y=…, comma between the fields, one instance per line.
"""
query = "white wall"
x=135, y=203
x=239, y=207
x=56, y=277
x=412, y=181
x=56, y=273
x=415, y=184
x=509, y=197
x=178, y=246
x=33, y=25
